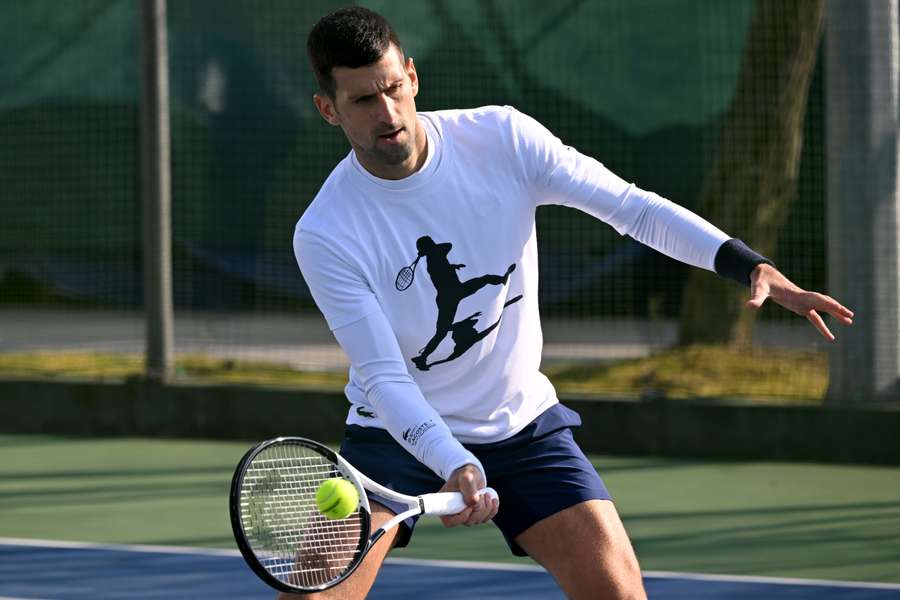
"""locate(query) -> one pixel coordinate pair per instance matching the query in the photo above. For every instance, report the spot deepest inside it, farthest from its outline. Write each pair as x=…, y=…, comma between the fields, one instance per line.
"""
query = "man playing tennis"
x=473, y=179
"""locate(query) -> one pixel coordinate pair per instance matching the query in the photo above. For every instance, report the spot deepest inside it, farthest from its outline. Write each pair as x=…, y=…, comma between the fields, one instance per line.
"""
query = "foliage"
x=697, y=372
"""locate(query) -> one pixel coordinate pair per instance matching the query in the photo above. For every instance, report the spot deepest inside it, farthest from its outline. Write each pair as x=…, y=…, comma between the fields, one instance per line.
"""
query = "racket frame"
x=237, y=526
x=412, y=275
x=437, y=504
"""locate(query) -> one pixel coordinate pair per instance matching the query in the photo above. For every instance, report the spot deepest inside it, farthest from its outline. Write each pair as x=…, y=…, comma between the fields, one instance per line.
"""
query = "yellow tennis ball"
x=337, y=498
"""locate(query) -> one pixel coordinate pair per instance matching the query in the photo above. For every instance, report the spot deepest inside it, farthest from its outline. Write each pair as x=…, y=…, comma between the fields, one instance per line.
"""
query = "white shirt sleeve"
x=364, y=333
x=559, y=174
x=339, y=290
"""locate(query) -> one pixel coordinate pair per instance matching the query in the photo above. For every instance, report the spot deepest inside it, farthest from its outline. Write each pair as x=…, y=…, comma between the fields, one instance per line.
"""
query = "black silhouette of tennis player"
x=465, y=335
x=450, y=292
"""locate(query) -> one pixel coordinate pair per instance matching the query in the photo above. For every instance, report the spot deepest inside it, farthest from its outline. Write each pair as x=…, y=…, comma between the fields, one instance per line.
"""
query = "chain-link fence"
x=650, y=88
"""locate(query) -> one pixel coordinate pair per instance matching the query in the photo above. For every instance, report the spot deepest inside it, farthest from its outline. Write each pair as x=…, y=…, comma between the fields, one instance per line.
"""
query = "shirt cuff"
x=735, y=260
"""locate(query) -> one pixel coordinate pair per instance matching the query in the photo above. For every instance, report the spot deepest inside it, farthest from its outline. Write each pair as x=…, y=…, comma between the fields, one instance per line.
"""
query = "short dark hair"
x=349, y=37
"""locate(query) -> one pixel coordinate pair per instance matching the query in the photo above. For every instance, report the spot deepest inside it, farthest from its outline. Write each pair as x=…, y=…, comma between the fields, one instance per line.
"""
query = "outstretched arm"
x=767, y=282
x=561, y=175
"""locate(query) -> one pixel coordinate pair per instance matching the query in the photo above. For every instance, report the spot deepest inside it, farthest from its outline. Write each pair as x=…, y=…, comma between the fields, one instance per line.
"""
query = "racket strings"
x=293, y=540
x=404, y=279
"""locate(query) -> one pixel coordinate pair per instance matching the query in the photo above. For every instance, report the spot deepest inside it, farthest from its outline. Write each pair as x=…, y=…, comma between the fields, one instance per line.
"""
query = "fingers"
x=485, y=510
x=461, y=518
x=769, y=283
x=468, y=481
x=493, y=507
x=758, y=294
x=834, y=308
x=759, y=286
x=828, y=305
x=813, y=317
x=480, y=507
x=481, y=512
x=821, y=303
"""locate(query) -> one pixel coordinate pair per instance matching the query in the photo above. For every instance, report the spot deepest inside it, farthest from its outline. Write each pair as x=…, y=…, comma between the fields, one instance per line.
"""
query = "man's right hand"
x=480, y=508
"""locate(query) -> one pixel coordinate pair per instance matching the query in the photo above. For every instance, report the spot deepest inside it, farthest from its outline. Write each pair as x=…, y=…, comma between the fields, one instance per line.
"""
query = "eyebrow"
x=362, y=96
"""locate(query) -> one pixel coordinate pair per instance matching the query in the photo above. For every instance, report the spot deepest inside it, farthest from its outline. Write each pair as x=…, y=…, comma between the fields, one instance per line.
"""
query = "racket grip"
x=447, y=503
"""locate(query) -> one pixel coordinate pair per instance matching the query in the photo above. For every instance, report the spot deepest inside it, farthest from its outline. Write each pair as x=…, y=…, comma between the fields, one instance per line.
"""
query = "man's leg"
x=360, y=582
x=586, y=549
x=471, y=286
x=446, y=313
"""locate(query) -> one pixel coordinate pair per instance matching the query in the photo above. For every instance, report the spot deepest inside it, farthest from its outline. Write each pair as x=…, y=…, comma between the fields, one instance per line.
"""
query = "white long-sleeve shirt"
x=487, y=171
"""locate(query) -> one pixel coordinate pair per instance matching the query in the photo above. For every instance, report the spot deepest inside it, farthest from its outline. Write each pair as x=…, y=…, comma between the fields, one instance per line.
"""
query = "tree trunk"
x=753, y=178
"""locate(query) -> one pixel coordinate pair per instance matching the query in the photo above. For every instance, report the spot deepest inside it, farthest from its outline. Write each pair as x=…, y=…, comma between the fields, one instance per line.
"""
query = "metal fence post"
x=861, y=98
x=155, y=189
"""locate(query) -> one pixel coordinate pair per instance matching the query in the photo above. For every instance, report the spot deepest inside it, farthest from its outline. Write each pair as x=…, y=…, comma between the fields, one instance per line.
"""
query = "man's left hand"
x=767, y=282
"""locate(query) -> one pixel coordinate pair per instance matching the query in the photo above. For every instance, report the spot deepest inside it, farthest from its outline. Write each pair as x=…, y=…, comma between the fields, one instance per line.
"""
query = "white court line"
x=461, y=564
x=773, y=580
x=450, y=564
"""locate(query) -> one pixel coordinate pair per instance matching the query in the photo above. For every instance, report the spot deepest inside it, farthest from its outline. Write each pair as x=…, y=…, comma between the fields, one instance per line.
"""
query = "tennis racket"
x=279, y=530
x=405, y=276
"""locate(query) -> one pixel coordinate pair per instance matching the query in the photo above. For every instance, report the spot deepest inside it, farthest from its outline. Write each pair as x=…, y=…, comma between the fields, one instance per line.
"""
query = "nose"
x=386, y=109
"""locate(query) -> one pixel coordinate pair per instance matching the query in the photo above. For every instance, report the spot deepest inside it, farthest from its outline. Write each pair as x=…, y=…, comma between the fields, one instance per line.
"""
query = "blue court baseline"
x=44, y=570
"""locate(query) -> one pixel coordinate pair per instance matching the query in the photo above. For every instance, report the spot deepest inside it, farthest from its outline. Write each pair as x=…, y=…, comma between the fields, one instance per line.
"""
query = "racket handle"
x=448, y=503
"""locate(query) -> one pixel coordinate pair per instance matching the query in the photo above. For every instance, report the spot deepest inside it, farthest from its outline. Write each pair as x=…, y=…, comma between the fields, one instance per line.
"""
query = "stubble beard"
x=393, y=155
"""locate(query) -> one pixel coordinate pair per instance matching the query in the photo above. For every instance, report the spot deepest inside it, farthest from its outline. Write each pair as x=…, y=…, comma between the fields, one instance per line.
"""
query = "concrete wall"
x=670, y=428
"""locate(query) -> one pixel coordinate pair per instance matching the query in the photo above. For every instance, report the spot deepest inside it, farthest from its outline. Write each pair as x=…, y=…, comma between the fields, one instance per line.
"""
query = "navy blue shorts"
x=537, y=473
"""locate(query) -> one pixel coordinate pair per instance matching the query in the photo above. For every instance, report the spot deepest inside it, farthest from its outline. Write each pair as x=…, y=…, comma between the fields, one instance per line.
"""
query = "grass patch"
x=78, y=365
x=697, y=372
x=218, y=370
x=99, y=366
x=704, y=372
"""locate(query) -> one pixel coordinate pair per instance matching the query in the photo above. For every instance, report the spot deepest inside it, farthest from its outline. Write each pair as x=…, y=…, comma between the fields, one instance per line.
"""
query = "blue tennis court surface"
x=71, y=571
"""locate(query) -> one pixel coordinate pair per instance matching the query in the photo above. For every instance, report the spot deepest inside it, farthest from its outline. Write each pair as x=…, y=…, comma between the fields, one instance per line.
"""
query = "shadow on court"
x=94, y=494
x=791, y=539
x=110, y=473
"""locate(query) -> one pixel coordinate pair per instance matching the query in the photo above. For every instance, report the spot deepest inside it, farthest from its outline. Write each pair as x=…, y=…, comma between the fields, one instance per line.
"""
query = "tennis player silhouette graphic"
x=450, y=292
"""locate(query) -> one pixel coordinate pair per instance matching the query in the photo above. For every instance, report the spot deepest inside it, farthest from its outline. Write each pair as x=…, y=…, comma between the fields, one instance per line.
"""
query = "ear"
x=325, y=106
x=413, y=76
